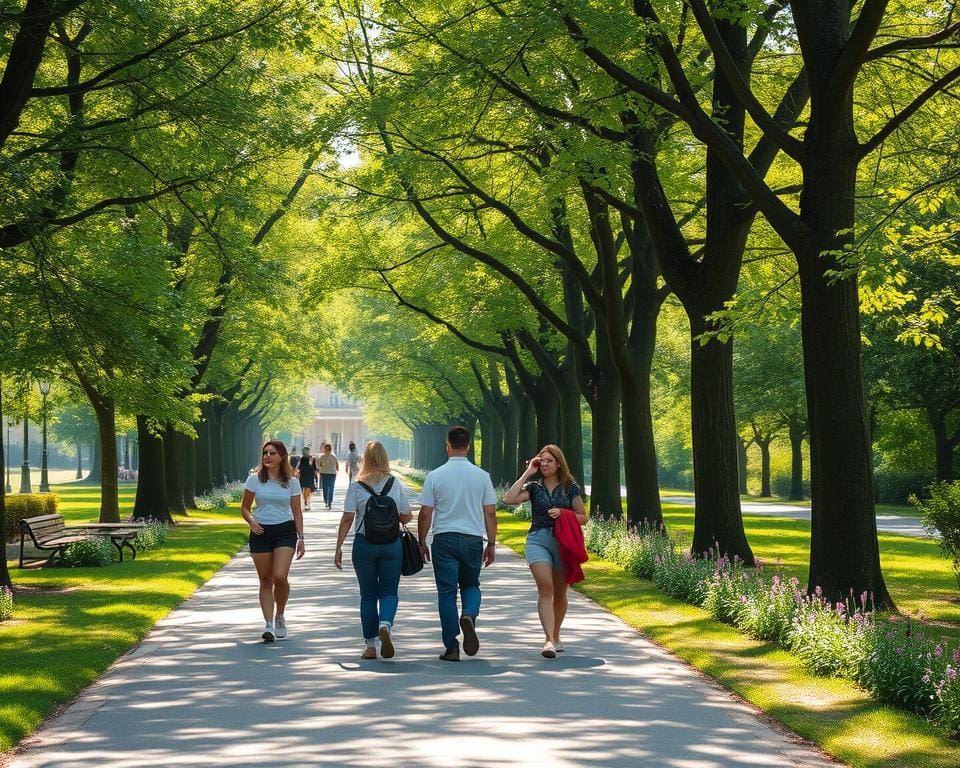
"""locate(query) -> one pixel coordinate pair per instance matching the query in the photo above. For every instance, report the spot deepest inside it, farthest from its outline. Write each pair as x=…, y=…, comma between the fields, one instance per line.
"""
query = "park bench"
x=50, y=532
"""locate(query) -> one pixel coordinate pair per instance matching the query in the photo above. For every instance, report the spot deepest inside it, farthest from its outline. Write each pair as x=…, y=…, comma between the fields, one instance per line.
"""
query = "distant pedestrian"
x=329, y=466
x=352, y=462
x=307, y=475
x=377, y=565
x=459, y=504
x=271, y=507
x=555, y=491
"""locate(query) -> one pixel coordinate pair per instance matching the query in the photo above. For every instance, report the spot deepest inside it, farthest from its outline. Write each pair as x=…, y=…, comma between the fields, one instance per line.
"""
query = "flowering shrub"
x=941, y=518
x=89, y=552
x=829, y=641
x=6, y=603
x=151, y=536
x=501, y=491
x=220, y=497
x=892, y=660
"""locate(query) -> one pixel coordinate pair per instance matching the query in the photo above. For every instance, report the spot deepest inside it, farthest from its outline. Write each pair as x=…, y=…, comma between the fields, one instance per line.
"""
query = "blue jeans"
x=378, y=572
x=457, y=558
x=326, y=483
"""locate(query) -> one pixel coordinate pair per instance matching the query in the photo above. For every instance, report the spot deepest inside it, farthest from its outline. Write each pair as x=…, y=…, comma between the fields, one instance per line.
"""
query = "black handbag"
x=412, y=555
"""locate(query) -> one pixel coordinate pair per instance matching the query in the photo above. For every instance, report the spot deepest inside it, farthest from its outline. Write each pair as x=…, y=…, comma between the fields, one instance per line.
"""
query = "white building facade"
x=335, y=419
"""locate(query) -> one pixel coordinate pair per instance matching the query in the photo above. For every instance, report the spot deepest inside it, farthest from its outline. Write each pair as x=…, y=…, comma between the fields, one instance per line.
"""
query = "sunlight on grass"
x=87, y=617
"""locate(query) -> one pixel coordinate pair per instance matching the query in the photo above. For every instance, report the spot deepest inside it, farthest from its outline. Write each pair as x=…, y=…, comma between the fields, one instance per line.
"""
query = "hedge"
x=27, y=505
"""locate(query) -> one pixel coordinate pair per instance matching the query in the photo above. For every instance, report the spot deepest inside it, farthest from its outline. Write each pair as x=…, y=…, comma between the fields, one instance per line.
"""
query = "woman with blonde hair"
x=377, y=565
x=276, y=532
x=556, y=490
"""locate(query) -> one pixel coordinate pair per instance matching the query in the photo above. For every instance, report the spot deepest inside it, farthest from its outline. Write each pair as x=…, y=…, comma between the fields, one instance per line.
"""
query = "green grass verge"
x=844, y=720
x=70, y=624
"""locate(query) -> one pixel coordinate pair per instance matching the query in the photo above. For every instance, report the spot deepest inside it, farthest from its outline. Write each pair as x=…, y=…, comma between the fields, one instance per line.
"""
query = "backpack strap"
x=386, y=488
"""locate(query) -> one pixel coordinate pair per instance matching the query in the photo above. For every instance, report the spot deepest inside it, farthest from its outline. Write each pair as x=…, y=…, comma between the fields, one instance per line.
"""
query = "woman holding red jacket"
x=554, y=491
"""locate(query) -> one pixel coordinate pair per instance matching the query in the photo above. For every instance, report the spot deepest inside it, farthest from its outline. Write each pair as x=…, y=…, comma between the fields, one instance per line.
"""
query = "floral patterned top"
x=541, y=500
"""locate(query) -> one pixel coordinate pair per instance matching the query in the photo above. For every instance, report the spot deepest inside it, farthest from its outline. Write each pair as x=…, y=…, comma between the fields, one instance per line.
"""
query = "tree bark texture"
x=151, y=498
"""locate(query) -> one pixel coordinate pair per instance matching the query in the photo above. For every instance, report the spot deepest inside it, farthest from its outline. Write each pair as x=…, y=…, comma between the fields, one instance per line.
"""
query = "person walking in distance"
x=554, y=492
x=271, y=507
x=307, y=475
x=377, y=563
x=328, y=473
x=352, y=462
x=459, y=504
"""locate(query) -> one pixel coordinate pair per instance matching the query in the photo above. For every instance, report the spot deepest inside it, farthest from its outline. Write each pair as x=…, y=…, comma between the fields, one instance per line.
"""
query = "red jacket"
x=569, y=536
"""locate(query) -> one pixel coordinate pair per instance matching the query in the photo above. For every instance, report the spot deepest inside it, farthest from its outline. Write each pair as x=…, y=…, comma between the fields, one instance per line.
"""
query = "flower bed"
x=891, y=658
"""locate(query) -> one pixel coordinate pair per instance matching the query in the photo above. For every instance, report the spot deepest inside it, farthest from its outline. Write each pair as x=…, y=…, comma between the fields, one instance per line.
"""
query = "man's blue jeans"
x=378, y=572
x=457, y=558
x=327, y=480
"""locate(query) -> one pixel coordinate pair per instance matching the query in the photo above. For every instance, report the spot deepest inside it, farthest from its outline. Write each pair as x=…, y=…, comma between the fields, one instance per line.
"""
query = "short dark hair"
x=458, y=437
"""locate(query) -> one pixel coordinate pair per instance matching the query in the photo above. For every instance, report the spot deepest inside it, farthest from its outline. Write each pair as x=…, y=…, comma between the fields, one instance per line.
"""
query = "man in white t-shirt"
x=459, y=500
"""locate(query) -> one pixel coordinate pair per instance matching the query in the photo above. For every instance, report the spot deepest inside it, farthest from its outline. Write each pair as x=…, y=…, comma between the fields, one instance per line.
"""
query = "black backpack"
x=381, y=519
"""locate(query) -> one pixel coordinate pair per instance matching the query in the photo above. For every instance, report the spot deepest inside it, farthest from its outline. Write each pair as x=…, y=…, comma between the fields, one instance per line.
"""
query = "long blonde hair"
x=375, y=464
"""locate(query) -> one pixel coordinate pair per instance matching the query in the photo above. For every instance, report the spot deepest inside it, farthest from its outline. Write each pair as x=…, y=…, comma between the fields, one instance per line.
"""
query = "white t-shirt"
x=272, y=499
x=357, y=495
x=458, y=492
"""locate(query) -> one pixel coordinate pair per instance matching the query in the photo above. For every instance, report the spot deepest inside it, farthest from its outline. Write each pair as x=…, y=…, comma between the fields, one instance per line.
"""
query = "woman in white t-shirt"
x=276, y=532
x=377, y=565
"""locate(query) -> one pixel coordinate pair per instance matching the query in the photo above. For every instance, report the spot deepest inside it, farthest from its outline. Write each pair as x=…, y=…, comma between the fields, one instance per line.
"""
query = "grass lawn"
x=70, y=623
x=835, y=714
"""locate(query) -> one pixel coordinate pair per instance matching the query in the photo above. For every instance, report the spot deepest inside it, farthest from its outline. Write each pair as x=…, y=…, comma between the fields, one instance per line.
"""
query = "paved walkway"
x=202, y=690
x=900, y=524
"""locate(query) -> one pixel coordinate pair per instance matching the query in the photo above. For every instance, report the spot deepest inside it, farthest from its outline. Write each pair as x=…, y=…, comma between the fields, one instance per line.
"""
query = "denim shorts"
x=542, y=547
x=274, y=536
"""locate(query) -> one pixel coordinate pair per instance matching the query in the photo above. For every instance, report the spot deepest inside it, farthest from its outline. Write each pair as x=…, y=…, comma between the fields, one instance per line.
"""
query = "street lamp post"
x=7, y=456
x=25, y=467
x=44, y=480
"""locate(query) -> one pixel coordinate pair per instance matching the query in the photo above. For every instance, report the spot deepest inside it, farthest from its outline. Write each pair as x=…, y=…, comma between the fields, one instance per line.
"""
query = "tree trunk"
x=151, y=500
x=797, y=432
x=717, y=518
x=742, y=464
x=79, y=475
x=546, y=403
x=204, y=478
x=5, y=580
x=764, y=445
x=943, y=445
x=639, y=450
x=216, y=448
x=189, y=446
x=96, y=463
x=173, y=470
x=105, y=411
x=571, y=418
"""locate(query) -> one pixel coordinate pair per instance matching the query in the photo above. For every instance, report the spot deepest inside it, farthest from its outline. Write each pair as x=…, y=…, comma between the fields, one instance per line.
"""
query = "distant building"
x=336, y=420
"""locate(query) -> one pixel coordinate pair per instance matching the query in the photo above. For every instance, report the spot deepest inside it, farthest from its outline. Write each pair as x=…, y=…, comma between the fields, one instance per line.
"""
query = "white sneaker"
x=281, y=632
x=268, y=633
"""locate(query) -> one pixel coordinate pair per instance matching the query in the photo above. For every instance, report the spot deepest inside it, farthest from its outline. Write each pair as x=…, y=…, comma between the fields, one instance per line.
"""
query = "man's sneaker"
x=370, y=652
x=386, y=642
x=450, y=655
x=268, y=633
x=281, y=631
x=471, y=643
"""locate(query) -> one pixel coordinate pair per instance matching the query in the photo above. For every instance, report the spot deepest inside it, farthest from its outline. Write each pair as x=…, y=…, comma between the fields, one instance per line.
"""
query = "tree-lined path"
x=202, y=690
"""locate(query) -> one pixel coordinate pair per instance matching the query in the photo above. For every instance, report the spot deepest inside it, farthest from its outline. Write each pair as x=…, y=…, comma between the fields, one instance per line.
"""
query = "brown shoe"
x=471, y=643
x=370, y=652
x=386, y=642
x=450, y=656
